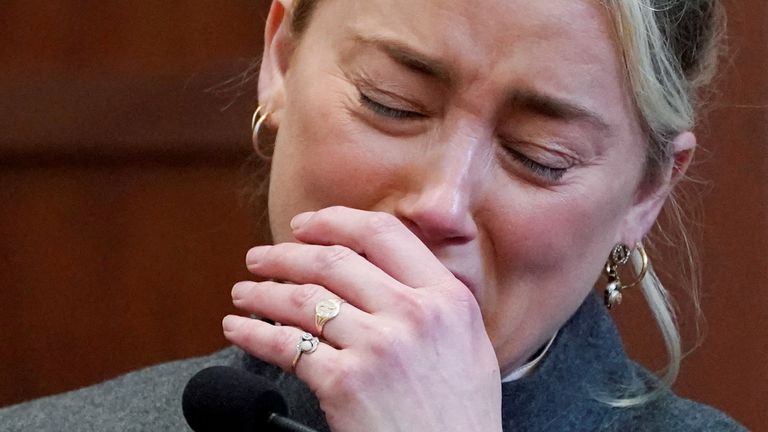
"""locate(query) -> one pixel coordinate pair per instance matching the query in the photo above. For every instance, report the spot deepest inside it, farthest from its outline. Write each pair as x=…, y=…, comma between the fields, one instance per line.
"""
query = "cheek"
x=557, y=241
x=543, y=251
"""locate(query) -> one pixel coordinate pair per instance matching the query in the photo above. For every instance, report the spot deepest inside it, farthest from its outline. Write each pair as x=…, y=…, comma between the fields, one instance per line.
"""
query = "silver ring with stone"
x=307, y=344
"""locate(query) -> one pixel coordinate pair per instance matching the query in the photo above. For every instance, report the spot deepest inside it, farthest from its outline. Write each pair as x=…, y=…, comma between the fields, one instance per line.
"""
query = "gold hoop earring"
x=256, y=122
x=620, y=255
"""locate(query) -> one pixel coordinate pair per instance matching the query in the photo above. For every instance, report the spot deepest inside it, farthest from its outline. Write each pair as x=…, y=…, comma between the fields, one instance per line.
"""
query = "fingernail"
x=255, y=254
x=300, y=219
x=240, y=290
x=230, y=323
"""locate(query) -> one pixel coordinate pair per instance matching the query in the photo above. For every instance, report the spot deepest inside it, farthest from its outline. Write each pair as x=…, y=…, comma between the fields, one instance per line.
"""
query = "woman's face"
x=501, y=132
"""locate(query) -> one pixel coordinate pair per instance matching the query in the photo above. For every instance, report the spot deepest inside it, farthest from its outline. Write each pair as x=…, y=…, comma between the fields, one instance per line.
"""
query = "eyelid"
x=383, y=108
x=538, y=169
x=366, y=85
x=541, y=170
x=559, y=151
x=386, y=110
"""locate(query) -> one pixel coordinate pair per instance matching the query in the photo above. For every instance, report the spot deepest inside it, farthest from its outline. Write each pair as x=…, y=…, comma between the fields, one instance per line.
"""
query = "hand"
x=408, y=352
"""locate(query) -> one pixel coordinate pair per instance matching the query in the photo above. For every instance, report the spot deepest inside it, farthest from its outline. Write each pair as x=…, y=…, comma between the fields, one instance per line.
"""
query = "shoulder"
x=585, y=369
x=673, y=413
x=148, y=399
x=669, y=412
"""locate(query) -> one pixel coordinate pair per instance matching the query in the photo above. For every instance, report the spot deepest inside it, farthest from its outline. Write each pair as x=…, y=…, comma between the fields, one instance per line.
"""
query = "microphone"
x=221, y=398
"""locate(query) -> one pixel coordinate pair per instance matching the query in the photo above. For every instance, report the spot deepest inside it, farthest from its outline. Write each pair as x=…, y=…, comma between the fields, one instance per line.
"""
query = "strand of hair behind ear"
x=670, y=49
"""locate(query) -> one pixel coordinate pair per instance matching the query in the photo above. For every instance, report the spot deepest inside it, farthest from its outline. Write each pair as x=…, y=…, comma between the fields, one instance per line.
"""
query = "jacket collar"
x=585, y=362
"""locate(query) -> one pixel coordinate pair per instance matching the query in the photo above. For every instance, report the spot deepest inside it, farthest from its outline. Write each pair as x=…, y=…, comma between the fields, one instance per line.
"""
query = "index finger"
x=382, y=238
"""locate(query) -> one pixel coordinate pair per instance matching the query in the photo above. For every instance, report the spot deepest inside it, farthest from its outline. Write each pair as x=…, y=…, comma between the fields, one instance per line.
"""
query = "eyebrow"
x=553, y=107
x=409, y=57
x=537, y=102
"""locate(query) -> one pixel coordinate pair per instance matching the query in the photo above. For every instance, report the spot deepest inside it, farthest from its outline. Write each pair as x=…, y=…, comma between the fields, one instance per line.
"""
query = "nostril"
x=437, y=203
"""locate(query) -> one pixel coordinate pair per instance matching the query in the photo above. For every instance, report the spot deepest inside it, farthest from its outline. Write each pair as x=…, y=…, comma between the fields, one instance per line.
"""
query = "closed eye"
x=541, y=170
x=387, y=111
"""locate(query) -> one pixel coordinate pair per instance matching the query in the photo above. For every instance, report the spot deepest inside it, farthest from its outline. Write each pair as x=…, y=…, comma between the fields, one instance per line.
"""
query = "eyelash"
x=549, y=173
x=387, y=111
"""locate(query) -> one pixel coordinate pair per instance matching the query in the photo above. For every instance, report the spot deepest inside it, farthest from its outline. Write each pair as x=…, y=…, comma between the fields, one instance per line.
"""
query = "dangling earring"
x=619, y=256
x=256, y=122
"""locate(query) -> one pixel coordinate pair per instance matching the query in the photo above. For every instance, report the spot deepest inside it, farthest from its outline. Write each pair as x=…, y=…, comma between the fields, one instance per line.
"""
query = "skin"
x=460, y=171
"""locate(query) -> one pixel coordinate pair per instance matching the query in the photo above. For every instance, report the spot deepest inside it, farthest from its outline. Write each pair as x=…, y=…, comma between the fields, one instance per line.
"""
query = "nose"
x=438, y=204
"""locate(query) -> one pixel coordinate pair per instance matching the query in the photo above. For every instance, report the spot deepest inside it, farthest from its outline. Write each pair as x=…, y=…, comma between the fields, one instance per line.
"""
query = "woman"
x=450, y=181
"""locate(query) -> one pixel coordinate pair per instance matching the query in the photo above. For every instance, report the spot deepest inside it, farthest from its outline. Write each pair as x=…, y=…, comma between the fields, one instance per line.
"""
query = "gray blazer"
x=585, y=361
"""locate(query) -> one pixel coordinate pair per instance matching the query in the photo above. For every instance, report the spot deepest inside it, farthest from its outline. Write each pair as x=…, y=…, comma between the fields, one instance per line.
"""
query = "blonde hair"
x=670, y=50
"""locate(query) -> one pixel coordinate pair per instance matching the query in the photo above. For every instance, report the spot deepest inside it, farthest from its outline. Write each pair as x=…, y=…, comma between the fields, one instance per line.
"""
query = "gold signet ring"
x=325, y=311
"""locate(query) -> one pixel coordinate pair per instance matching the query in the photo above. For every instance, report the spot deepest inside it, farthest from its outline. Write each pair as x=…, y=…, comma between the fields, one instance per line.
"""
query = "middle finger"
x=338, y=268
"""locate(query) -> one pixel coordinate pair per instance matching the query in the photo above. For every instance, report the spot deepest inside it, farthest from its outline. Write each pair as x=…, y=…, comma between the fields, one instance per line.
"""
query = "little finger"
x=286, y=347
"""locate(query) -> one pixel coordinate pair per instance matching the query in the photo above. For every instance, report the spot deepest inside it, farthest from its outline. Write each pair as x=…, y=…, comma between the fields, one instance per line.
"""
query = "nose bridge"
x=440, y=201
x=448, y=179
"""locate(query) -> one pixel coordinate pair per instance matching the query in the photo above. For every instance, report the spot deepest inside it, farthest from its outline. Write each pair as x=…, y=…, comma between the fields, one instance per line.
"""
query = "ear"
x=278, y=49
x=648, y=204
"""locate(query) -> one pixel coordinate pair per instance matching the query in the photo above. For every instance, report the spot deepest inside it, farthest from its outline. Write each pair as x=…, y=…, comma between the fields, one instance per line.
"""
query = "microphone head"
x=221, y=398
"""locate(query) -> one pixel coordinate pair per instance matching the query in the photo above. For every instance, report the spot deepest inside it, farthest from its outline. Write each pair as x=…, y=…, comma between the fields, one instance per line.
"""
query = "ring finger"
x=295, y=305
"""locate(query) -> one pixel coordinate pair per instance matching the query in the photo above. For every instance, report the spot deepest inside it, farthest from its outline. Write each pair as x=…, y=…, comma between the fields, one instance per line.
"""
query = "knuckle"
x=303, y=296
x=467, y=304
x=274, y=255
x=345, y=377
x=382, y=224
x=386, y=342
x=423, y=313
x=247, y=294
x=366, y=327
x=333, y=256
x=323, y=218
x=281, y=341
x=430, y=318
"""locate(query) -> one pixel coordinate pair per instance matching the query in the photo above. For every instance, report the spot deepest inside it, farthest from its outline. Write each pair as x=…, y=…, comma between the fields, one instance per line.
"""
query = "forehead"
x=563, y=47
x=480, y=29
